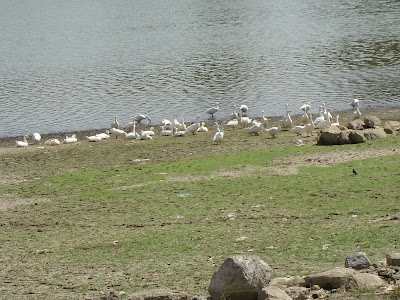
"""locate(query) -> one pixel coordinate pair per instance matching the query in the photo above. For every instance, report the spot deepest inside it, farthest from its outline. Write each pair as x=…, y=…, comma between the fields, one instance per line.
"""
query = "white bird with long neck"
x=133, y=135
x=320, y=118
x=175, y=122
x=234, y=114
x=264, y=119
x=256, y=129
x=336, y=123
x=219, y=135
x=232, y=123
x=202, y=128
x=148, y=132
x=182, y=126
x=70, y=139
x=166, y=132
x=52, y=142
x=117, y=132
x=274, y=130
x=178, y=133
x=36, y=137
x=304, y=118
x=305, y=107
x=22, y=143
x=115, y=124
x=193, y=128
x=354, y=103
x=93, y=138
x=213, y=109
x=310, y=126
x=299, y=129
x=287, y=120
x=141, y=117
x=245, y=121
x=244, y=108
x=356, y=113
x=103, y=135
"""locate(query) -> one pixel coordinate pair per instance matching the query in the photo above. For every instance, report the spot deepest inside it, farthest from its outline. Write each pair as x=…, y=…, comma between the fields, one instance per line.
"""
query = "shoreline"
x=389, y=113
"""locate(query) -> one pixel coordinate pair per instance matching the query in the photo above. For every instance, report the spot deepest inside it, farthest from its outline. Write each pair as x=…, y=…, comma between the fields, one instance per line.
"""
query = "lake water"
x=73, y=65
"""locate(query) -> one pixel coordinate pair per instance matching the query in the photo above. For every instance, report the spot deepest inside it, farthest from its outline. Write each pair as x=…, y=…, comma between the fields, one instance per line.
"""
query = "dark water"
x=72, y=65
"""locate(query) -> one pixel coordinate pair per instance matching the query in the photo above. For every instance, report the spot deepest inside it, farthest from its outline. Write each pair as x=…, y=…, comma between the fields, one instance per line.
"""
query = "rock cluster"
x=249, y=278
x=357, y=131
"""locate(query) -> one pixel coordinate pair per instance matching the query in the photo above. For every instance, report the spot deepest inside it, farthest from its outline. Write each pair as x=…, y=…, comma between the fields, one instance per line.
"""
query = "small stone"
x=357, y=261
x=393, y=259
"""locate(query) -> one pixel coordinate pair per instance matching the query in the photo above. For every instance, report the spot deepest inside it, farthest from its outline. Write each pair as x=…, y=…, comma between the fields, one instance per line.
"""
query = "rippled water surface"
x=73, y=65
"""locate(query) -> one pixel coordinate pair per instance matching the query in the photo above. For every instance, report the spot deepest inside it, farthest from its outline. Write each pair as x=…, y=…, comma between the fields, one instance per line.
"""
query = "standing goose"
x=115, y=124
x=219, y=135
x=274, y=130
x=310, y=127
x=36, y=137
x=193, y=128
x=264, y=119
x=336, y=123
x=182, y=126
x=287, y=121
x=234, y=114
x=356, y=113
x=244, y=108
x=133, y=135
x=202, y=128
x=211, y=111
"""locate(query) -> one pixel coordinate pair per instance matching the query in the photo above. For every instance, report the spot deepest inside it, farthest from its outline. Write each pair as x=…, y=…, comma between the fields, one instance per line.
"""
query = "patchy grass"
x=134, y=216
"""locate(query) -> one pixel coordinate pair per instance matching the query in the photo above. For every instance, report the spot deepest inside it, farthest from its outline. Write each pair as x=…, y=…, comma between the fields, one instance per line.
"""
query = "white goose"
x=244, y=108
x=115, y=124
x=104, y=135
x=304, y=118
x=141, y=117
x=310, y=126
x=245, y=121
x=264, y=119
x=166, y=132
x=36, y=137
x=320, y=118
x=175, y=122
x=133, y=135
x=93, y=138
x=336, y=123
x=52, y=142
x=182, y=126
x=70, y=139
x=356, y=113
x=323, y=124
x=145, y=136
x=202, y=128
x=299, y=129
x=117, y=132
x=148, y=132
x=211, y=111
x=219, y=135
x=274, y=130
x=193, y=128
x=287, y=121
x=354, y=103
x=178, y=133
x=22, y=143
x=166, y=123
x=233, y=123
x=256, y=129
x=305, y=107
x=234, y=114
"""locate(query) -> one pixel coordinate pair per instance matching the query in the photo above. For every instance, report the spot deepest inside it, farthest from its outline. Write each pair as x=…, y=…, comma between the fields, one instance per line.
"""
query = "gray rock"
x=364, y=281
x=357, y=136
x=240, y=277
x=393, y=259
x=372, y=122
x=159, y=294
x=374, y=133
x=357, y=261
x=332, y=279
x=273, y=293
x=356, y=125
x=329, y=136
x=395, y=125
x=344, y=137
x=389, y=131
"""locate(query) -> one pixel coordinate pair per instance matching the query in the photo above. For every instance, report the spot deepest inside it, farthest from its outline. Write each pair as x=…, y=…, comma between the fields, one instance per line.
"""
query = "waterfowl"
x=244, y=108
x=245, y=121
x=182, y=126
x=93, y=138
x=264, y=119
x=165, y=132
x=178, y=133
x=22, y=143
x=166, y=123
x=193, y=128
x=36, y=137
x=320, y=118
x=141, y=117
x=117, y=132
x=233, y=123
x=219, y=135
x=234, y=114
x=256, y=129
x=70, y=139
x=356, y=113
x=354, y=103
x=148, y=132
x=103, y=135
x=287, y=121
x=336, y=123
x=133, y=135
x=274, y=130
x=323, y=124
x=299, y=143
x=211, y=111
x=145, y=136
x=310, y=126
x=175, y=122
x=305, y=107
x=298, y=129
x=115, y=124
x=304, y=118
x=52, y=142
x=202, y=128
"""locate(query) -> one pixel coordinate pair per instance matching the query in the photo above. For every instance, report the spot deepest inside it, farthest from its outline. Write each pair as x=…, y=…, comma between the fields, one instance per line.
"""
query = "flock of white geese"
x=237, y=119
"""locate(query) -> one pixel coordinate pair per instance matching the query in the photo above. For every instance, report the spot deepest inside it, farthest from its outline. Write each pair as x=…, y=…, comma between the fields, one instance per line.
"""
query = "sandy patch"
x=8, y=201
x=290, y=165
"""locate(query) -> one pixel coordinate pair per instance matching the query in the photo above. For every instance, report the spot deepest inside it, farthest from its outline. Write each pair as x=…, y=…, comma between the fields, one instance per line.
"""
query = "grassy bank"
x=130, y=216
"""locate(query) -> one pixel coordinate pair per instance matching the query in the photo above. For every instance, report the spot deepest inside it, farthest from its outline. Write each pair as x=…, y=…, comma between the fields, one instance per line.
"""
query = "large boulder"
x=364, y=281
x=332, y=279
x=344, y=137
x=357, y=261
x=329, y=136
x=372, y=122
x=357, y=136
x=393, y=259
x=159, y=294
x=374, y=133
x=395, y=125
x=273, y=293
x=240, y=277
x=356, y=125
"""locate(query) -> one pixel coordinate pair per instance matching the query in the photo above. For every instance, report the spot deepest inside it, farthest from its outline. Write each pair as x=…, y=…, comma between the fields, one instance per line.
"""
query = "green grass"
x=170, y=215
